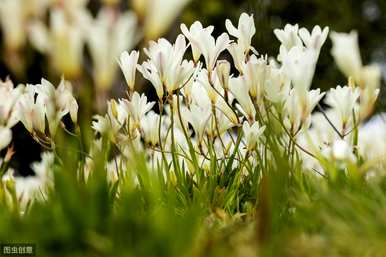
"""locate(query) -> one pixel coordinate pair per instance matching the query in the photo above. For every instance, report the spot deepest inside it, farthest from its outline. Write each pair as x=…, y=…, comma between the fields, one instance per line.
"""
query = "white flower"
x=223, y=69
x=244, y=31
x=255, y=74
x=137, y=107
x=198, y=118
x=299, y=110
x=341, y=150
x=30, y=113
x=238, y=56
x=107, y=37
x=63, y=40
x=277, y=85
x=128, y=63
x=149, y=72
x=12, y=20
x=316, y=39
x=42, y=101
x=344, y=100
x=288, y=36
x=56, y=102
x=299, y=65
x=149, y=126
x=194, y=33
x=5, y=137
x=159, y=15
x=167, y=62
x=240, y=91
x=203, y=41
x=252, y=134
x=372, y=139
x=8, y=98
x=345, y=50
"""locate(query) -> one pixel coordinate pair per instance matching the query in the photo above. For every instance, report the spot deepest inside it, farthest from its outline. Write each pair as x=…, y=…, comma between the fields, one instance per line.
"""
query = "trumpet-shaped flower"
x=5, y=137
x=244, y=31
x=128, y=64
x=137, y=107
x=223, y=69
x=345, y=51
x=315, y=39
x=42, y=101
x=240, y=91
x=148, y=124
x=149, y=72
x=299, y=65
x=288, y=36
x=198, y=118
x=252, y=134
x=238, y=56
x=256, y=71
x=108, y=36
x=299, y=110
x=166, y=61
x=202, y=40
x=8, y=99
x=31, y=113
x=344, y=100
x=278, y=85
x=193, y=33
x=159, y=15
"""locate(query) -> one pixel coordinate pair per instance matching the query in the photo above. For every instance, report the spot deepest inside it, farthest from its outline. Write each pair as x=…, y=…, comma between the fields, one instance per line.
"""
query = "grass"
x=277, y=210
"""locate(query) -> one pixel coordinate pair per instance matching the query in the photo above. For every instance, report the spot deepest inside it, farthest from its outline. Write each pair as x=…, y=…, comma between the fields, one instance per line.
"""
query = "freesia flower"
x=315, y=39
x=128, y=64
x=198, y=118
x=345, y=50
x=344, y=100
x=240, y=91
x=107, y=37
x=244, y=31
x=137, y=107
x=166, y=62
x=252, y=134
x=5, y=137
x=203, y=41
x=288, y=36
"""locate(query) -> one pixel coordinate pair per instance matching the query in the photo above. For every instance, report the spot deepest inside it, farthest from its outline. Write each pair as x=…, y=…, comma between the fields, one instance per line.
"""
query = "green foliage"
x=277, y=210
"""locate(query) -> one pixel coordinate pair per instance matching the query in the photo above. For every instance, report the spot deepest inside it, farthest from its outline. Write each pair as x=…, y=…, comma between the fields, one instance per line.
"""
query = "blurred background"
x=81, y=40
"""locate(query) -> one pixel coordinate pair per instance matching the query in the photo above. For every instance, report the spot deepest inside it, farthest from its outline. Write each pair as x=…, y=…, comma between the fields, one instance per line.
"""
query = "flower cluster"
x=227, y=103
x=61, y=30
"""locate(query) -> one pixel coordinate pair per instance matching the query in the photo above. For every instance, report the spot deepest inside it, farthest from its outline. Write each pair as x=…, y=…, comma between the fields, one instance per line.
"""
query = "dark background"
x=368, y=17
